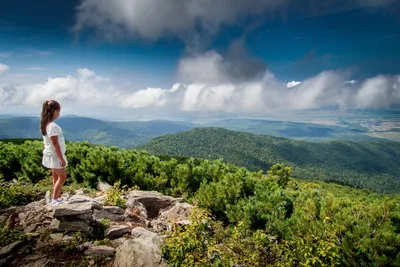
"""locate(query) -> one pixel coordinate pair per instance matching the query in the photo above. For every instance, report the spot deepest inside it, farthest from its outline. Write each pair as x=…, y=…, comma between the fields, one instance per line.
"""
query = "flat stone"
x=113, y=209
x=99, y=251
x=103, y=214
x=116, y=231
x=73, y=209
x=9, y=249
x=73, y=226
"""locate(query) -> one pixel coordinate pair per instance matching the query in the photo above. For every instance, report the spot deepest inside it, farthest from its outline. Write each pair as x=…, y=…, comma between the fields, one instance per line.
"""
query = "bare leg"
x=55, y=178
x=62, y=176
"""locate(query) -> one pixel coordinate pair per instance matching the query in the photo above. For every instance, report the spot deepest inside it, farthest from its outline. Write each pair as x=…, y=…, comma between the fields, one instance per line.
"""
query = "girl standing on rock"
x=54, y=147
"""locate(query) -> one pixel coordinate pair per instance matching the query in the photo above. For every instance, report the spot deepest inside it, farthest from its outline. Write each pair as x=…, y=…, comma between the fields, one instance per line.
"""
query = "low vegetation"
x=242, y=218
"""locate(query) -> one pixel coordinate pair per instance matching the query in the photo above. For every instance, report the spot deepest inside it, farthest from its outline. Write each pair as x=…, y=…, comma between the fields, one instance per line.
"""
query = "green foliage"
x=368, y=164
x=193, y=245
x=113, y=196
x=19, y=194
x=244, y=218
x=72, y=245
x=8, y=236
x=105, y=223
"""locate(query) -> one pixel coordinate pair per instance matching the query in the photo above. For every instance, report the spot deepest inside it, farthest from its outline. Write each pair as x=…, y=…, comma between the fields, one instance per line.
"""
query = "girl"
x=54, y=147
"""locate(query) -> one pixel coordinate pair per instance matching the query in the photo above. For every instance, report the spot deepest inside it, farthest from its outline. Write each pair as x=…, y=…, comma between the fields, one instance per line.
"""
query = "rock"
x=82, y=199
x=60, y=238
x=152, y=200
x=10, y=249
x=36, y=260
x=144, y=250
x=47, y=197
x=100, y=199
x=11, y=221
x=73, y=209
x=120, y=241
x=73, y=226
x=81, y=191
x=136, y=211
x=178, y=213
x=113, y=209
x=103, y=214
x=99, y=251
x=103, y=186
x=116, y=231
x=34, y=216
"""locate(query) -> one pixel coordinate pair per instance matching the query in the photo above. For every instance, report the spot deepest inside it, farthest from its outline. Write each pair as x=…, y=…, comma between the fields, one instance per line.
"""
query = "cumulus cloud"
x=84, y=88
x=3, y=68
x=86, y=73
x=213, y=68
x=263, y=95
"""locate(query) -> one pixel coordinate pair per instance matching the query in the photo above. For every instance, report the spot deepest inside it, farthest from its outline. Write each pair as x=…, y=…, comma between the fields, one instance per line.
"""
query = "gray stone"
x=116, y=231
x=143, y=250
x=99, y=251
x=73, y=226
x=179, y=211
x=113, y=209
x=10, y=249
x=152, y=200
x=34, y=216
x=119, y=241
x=103, y=214
x=73, y=209
x=103, y=186
x=135, y=210
x=60, y=238
x=47, y=197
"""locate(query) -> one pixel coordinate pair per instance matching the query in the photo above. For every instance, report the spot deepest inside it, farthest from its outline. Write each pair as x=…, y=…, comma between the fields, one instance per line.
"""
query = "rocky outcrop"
x=133, y=232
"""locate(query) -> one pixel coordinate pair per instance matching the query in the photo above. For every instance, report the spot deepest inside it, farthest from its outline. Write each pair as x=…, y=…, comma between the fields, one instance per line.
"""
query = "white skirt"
x=53, y=162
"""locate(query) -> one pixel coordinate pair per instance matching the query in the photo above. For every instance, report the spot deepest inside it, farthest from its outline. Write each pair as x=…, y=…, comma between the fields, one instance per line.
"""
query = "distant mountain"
x=294, y=130
x=121, y=134
x=365, y=164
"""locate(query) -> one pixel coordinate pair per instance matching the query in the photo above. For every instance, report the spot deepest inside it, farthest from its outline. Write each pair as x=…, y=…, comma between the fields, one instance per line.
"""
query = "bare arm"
x=54, y=140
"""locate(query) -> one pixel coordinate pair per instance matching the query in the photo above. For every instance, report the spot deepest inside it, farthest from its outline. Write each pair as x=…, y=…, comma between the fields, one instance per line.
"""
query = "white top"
x=53, y=130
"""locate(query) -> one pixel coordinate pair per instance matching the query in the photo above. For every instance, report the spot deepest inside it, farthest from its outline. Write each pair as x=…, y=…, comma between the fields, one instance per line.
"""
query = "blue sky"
x=173, y=57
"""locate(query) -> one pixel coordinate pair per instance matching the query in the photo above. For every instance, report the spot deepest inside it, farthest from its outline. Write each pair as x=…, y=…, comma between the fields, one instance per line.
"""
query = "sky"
x=151, y=59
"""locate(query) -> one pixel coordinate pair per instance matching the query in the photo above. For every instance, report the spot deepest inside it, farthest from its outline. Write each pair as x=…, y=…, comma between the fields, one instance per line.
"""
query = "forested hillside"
x=366, y=164
x=243, y=218
x=121, y=134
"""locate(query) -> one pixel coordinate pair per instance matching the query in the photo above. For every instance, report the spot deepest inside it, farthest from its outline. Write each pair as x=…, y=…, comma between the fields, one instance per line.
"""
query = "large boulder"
x=143, y=250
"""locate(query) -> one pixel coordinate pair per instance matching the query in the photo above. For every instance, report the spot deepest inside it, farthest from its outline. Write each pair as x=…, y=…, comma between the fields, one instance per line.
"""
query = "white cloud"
x=6, y=54
x=292, y=83
x=86, y=73
x=379, y=92
x=265, y=95
x=35, y=68
x=3, y=68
